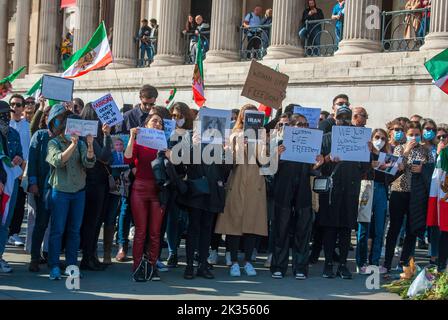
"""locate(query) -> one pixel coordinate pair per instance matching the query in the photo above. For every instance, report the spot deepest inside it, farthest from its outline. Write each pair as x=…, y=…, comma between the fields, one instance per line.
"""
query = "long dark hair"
x=150, y=116
x=186, y=113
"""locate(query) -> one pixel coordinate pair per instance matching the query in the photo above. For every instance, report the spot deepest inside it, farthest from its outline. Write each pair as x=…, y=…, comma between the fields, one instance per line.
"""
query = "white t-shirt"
x=23, y=128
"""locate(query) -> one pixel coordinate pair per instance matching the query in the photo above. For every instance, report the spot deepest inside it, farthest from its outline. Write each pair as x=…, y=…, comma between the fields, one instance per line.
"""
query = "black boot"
x=328, y=271
x=343, y=272
x=172, y=261
x=189, y=272
x=204, y=272
x=90, y=265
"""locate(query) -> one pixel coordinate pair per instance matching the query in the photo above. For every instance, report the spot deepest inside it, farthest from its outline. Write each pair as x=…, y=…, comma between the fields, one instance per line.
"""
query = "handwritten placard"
x=265, y=85
x=312, y=115
x=81, y=128
x=152, y=138
x=301, y=144
x=107, y=110
x=351, y=143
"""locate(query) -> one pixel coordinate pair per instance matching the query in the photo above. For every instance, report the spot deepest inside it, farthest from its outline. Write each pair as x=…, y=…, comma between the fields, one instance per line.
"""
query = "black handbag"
x=198, y=187
x=322, y=185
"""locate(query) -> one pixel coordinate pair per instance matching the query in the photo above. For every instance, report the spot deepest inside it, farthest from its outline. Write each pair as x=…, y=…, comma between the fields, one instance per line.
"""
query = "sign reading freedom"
x=265, y=85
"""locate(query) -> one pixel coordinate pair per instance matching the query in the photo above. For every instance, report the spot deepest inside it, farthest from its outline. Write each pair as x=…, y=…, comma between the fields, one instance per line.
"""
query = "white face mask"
x=180, y=123
x=378, y=144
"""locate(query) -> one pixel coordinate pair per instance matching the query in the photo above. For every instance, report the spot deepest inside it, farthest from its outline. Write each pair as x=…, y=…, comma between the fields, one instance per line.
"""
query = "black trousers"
x=330, y=237
x=299, y=222
x=318, y=239
x=398, y=209
x=443, y=250
x=199, y=235
x=250, y=240
x=19, y=213
x=95, y=206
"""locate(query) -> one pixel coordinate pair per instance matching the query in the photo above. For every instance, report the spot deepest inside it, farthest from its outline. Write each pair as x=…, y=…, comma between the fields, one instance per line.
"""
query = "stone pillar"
x=22, y=38
x=169, y=44
x=126, y=21
x=3, y=38
x=285, y=26
x=47, y=59
x=225, y=37
x=437, y=39
x=361, y=35
x=88, y=22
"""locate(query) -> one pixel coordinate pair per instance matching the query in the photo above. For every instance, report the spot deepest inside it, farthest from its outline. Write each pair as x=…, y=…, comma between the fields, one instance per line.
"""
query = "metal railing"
x=190, y=44
x=254, y=42
x=404, y=30
x=320, y=38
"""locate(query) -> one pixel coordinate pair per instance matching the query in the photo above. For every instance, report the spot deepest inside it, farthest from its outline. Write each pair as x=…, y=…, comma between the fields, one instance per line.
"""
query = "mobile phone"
x=416, y=162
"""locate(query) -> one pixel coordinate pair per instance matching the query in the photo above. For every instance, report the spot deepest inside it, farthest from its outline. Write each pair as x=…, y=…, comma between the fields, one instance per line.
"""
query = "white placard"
x=81, y=128
x=351, y=143
x=152, y=138
x=215, y=124
x=388, y=163
x=302, y=145
x=57, y=88
x=107, y=111
x=312, y=115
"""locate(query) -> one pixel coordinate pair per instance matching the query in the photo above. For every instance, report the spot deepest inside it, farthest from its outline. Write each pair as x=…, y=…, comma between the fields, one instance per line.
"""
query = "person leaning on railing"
x=412, y=20
x=311, y=13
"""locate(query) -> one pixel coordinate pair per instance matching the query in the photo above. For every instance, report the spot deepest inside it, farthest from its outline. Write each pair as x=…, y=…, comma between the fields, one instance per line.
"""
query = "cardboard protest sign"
x=388, y=163
x=81, y=128
x=301, y=144
x=312, y=115
x=107, y=111
x=265, y=85
x=152, y=138
x=351, y=143
x=169, y=126
x=215, y=124
x=253, y=120
x=57, y=88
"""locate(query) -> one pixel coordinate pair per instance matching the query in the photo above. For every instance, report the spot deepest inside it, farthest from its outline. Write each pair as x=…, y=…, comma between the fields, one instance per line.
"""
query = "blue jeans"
x=149, y=51
x=424, y=27
x=124, y=222
x=177, y=220
x=379, y=210
x=67, y=209
x=338, y=32
x=4, y=229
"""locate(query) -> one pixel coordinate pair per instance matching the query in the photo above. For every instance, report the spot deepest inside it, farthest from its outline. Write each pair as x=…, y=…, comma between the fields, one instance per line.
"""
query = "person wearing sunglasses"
x=409, y=196
x=377, y=222
x=292, y=207
x=338, y=102
x=396, y=133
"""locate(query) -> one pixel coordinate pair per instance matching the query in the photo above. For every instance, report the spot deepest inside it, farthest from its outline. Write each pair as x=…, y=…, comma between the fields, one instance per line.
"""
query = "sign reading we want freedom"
x=351, y=143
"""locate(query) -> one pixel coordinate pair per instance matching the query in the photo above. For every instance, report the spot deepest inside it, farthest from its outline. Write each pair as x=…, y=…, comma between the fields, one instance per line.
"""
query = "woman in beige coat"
x=245, y=212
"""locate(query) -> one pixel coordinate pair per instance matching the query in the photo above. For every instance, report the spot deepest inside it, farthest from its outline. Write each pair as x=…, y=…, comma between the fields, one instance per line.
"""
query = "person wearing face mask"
x=379, y=209
x=409, y=196
x=338, y=214
x=37, y=172
x=396, y=133
x=12, y=148
x=68, y=157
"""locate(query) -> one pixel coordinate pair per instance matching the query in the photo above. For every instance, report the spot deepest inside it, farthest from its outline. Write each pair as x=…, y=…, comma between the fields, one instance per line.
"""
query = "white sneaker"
x=213, y=257
x=249, y=269
x=362, y=270
x=228, y=259
x=254, y=255
x=235, y=270
x=277, y=275
x=268, y=262
x=4, y=267
x=15, y=240
x=132, y=233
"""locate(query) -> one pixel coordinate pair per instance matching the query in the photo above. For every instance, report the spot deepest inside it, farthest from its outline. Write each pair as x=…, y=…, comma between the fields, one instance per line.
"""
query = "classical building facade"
x=388, y=84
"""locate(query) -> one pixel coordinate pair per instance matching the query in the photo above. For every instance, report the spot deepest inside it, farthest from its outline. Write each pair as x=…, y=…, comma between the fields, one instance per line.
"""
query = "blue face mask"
x=429, y=135
x=417, y=139
x=57, y=123
x=398, y=135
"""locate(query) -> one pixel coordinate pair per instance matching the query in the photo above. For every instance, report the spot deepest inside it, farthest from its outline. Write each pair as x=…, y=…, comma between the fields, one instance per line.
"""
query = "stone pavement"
x=116, y=283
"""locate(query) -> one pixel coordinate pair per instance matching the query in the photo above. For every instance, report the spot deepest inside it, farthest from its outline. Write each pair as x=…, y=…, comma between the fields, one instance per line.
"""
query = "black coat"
x=342, y=212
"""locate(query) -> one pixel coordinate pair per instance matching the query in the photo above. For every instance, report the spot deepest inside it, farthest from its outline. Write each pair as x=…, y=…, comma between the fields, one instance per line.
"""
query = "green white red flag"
x=438, y=69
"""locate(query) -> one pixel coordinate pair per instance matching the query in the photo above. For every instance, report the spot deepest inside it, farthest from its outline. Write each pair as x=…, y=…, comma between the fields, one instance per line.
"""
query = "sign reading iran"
x=95, y=55
x=107, y=110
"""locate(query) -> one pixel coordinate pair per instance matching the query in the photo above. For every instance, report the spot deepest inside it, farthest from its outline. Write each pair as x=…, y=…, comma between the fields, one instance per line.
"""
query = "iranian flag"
x=12, y=173
x=95, y=55
x=198, y=77
x=438, y=196
x=438, y=69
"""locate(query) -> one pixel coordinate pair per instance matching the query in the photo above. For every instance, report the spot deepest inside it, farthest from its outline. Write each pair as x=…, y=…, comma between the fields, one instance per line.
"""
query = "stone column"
x=437, y=39
x=285, y=26
x=225, y=37
x=169, y=44
x=22, y=38
x=88, y=22
x=362, y=27
x=3, y=38
x=126, y=20
x=47, y=59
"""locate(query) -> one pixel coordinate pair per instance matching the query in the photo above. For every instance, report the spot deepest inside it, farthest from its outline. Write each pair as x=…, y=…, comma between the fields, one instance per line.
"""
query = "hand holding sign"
x=107, y=111
x=350, y=143
x=81, y=128
x=301, y=145
x=152, y=138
